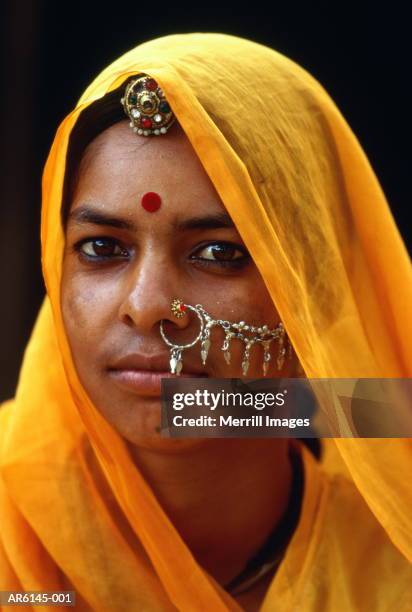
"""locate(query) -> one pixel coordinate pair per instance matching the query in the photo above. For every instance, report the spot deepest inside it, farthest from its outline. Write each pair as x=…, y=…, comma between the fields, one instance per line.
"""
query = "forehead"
x=119, y=167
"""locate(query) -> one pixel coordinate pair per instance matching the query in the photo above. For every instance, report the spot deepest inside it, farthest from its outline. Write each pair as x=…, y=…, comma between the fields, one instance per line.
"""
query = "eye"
x=221, y=252
x=101, y=248
x=224, y=254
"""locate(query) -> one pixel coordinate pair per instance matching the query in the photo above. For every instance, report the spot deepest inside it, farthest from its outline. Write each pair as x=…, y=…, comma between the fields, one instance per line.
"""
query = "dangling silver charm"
x=205, y=346
x=226, y=346
x=176, y=362
x=204, y=350
x=281, y=351
x=245, y=361
x=266, y=356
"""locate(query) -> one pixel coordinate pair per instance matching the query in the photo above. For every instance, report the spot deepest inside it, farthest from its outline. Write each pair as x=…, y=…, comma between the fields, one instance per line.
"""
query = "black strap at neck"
x=272, y=552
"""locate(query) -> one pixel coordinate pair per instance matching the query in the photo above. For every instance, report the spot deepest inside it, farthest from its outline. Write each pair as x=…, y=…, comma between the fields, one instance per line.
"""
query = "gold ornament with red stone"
x=147, y=108
x=178, y=308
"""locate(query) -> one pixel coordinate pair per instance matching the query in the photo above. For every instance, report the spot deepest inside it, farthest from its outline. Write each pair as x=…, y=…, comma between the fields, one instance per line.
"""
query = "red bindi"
x=151, y=201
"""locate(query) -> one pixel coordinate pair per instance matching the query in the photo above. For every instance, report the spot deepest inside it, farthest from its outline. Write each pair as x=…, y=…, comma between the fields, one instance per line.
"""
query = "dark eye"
x=101, y=248
x=220, y=252
x=223, y=254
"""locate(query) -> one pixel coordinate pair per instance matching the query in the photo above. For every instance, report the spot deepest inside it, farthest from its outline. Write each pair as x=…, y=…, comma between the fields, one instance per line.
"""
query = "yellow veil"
x=311, y=212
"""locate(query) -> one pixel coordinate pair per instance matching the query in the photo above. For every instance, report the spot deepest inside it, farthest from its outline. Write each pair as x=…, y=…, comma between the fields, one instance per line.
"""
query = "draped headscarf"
x=310, y=210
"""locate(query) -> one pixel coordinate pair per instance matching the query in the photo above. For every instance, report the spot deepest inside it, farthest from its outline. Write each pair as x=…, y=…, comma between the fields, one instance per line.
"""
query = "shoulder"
x=355, y=545
x=346, y=554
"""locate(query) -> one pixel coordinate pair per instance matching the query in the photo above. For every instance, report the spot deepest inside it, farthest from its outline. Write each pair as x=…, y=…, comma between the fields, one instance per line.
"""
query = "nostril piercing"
x=178, y=308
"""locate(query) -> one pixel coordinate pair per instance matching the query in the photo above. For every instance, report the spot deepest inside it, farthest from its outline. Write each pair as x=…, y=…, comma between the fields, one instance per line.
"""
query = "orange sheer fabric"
x=311, y=212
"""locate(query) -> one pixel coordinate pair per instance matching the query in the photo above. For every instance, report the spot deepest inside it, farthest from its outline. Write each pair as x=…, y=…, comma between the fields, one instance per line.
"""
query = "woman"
x=259, y=204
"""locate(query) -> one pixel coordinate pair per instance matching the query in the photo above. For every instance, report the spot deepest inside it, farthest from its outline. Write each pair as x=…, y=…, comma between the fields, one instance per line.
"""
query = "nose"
x=148, y=291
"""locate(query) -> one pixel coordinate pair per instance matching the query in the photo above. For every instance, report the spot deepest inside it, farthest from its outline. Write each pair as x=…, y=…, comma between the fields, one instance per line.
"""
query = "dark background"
x=52, y=50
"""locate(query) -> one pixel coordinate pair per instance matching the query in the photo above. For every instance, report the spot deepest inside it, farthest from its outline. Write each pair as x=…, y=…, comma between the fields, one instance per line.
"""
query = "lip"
x=142, y=374
x=143, y=382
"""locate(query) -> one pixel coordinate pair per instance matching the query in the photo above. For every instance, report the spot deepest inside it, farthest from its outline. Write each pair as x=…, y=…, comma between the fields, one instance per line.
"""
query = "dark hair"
x=96, y=118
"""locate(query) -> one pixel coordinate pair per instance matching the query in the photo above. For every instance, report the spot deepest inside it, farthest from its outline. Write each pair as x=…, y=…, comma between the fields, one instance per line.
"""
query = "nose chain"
x=249, y=334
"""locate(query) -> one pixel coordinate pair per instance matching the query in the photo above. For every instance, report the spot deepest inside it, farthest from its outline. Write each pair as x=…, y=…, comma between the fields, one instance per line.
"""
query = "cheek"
x=81, y=316
x=249, y=301
x=79, y=308
x=85, y=308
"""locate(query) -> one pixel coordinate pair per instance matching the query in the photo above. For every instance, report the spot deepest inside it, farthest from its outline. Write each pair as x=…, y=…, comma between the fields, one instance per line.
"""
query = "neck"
x=224, y=496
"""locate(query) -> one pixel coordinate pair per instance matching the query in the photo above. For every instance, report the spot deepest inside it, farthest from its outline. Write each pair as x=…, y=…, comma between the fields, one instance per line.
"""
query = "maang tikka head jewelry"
x=248, y=334
x=146, y=106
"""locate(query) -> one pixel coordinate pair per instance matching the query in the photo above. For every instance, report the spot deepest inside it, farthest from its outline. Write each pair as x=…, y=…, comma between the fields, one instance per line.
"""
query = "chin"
x=138, y=417
x=138, y=423
x=167, y=446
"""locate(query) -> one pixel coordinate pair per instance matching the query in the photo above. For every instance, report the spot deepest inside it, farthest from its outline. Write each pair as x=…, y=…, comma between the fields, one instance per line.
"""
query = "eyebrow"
x=214, y=221
x=87, y=215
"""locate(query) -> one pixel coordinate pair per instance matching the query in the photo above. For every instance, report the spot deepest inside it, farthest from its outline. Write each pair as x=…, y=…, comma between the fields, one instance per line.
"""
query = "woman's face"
x=123, y=265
